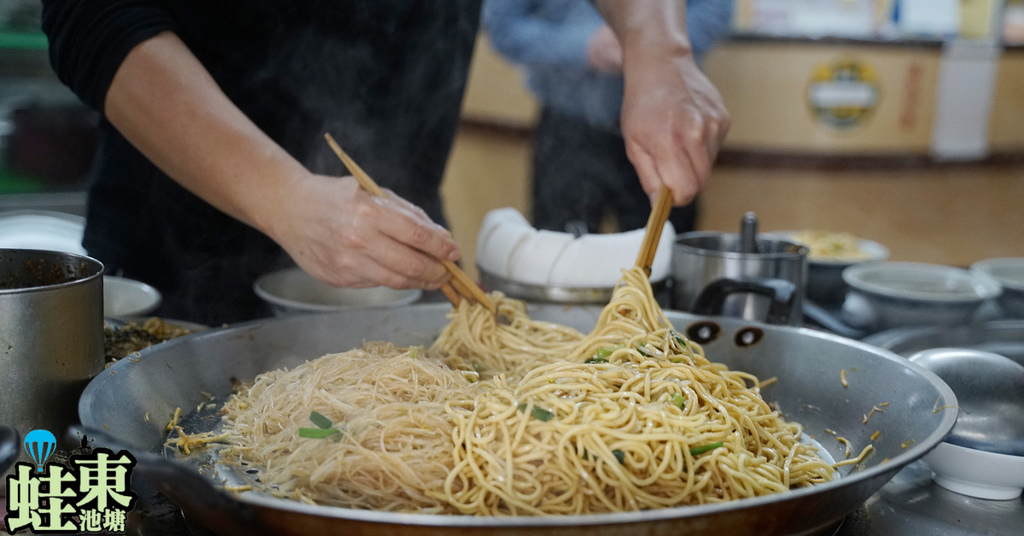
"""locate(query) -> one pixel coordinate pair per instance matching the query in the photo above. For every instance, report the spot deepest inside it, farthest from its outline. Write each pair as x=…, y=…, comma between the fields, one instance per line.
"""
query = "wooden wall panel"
x=955, y=214
x=1006, y=127
x=765, y=88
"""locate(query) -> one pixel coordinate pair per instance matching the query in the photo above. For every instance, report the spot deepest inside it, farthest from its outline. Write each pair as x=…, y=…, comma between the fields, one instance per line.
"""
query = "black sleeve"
x=90, y=38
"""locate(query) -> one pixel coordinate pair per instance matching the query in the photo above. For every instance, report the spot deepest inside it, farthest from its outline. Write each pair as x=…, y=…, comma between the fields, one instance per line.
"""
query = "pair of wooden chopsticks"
x=655, y=224
x=460, y=286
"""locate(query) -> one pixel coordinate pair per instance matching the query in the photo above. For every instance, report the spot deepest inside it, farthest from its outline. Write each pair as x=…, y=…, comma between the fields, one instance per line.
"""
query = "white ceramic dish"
x=1009, y=272
x=976, y=473
x=825, y=283
x=292, y=290
x=510, y=250
x=885, y=295
x=40, y=229
x=124, y=297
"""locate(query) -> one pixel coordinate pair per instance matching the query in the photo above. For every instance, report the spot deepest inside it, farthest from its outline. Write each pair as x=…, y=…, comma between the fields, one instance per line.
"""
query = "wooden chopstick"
x=460, y=286
x=652, y=234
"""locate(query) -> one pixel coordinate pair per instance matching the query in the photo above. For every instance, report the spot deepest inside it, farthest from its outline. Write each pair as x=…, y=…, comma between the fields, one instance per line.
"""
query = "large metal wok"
x=133, y=400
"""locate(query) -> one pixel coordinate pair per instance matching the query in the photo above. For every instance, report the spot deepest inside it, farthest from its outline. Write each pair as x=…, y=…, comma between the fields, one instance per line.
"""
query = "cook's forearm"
x=168, y=106
x=647, y=26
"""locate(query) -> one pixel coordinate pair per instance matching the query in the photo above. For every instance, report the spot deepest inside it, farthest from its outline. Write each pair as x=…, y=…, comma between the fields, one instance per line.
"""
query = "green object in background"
x=12, y=182
x=23, y=40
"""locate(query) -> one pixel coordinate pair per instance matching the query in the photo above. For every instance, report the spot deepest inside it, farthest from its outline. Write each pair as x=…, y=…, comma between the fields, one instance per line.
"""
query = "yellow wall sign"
x=843, y=94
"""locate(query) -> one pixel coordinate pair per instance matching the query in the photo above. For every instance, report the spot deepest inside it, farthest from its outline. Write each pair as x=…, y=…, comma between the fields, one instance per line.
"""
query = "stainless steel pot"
x=715, y=274
x=51, y=336
x=134, y=399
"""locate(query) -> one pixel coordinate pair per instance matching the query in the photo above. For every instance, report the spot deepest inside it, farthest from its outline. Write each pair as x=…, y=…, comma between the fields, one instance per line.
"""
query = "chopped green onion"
x=319, y=419
x=477, y=367
x=619, y=455
x=679, y=400
x=538, y=413
x=414, y=351
x=640, y=348
x=596, y=360
x=702, y=449
x=318, y=433
x=679, y=339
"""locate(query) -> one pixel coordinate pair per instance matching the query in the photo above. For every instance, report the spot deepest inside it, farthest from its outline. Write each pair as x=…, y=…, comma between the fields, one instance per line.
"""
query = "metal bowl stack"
x=825, y=285
x=1009, y=272
x=885, y=295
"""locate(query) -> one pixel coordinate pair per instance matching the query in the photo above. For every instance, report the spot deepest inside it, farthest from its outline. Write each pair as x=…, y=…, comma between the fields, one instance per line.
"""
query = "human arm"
x=707, y=21
x=673, y=118
x=167, y=105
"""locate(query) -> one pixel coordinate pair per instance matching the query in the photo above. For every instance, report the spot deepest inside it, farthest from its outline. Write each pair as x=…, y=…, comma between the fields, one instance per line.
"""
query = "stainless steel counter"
x=911, y=504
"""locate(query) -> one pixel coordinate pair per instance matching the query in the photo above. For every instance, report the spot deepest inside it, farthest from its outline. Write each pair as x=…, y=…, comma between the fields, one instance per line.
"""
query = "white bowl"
x=292, y=290
x=535, y=257
x=1009, y=272
x=825, y=283
x=532, y=264
x=977, y=473
x=42, y=229
x=124, y=297
x=886, y=295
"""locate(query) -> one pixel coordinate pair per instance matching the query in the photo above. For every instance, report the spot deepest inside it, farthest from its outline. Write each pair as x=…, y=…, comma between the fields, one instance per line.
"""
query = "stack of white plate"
x=510, y=248
x=39, y=229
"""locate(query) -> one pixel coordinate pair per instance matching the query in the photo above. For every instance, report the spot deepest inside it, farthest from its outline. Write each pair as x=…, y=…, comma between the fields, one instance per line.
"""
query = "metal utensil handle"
x=827, y=320
x=782, y=293
x=748, y=233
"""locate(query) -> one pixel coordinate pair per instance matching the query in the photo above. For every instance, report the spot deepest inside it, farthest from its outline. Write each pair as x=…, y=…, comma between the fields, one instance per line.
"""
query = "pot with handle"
x=713, y=274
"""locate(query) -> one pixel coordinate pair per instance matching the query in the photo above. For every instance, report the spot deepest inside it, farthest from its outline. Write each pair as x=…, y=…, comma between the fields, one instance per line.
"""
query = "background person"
x=573, y=63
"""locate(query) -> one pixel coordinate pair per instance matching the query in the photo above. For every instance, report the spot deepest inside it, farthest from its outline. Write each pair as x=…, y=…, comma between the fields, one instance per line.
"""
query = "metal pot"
x=715, y=274
x=137, y=397
x=51, y=336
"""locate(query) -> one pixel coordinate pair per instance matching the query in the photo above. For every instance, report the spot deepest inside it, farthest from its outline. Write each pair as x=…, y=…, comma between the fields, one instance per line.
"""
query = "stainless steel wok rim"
x=886, y=470
x=617, y=518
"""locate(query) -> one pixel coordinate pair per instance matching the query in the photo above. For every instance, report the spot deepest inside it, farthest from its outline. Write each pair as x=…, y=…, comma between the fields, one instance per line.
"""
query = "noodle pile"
x=829, y=246
x=529, y=418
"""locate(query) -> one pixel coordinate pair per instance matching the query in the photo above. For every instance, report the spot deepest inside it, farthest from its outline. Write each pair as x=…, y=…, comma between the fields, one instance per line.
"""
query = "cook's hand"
x=604, y=51
x=674, y=122
x=345, y=236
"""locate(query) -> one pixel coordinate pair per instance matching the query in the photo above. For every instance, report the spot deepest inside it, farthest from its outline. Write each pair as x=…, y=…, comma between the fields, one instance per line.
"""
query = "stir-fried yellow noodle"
x=525, y=418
